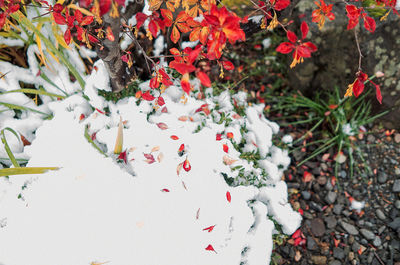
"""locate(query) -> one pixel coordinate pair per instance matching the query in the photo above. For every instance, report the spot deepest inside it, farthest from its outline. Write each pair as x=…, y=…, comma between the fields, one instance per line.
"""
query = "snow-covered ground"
x=168, y=204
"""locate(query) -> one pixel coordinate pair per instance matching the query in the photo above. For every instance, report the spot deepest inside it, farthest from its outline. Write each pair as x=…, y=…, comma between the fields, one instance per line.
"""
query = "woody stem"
x=359, y=50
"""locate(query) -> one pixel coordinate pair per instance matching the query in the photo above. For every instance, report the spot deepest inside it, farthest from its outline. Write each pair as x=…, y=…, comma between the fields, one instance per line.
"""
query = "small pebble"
x=351, y=256
x=331, y=197
x=380, y=214
x=322, y=180
x=396, y=186
x=343, y=174
x=397, y=171
x=319, y=260
x=377, y=242
x=351, y=229
x=306, y=195
x=338, y=253
x=367, y=234
x=397, y=204
x=335, y=262
x=337, y=208
x=382, y=177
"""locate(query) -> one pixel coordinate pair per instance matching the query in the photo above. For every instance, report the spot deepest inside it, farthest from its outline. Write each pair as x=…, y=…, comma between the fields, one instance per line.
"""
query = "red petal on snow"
x=165, y=190
x=174, y=137
x=122, y=156
x=228, y=196
x=160, y=101
x=225, y=147
x=229, y=135
x=186, y=165
x=209, y=229
x=210, y=248
x=149, y=158
x=181, y=148
x=162, y=126
x=218, y=137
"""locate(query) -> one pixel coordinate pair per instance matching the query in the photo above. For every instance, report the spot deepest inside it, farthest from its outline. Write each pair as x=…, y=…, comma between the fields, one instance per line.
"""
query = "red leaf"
x=87, y=20
x=109, y=34
x=378, y=94
x=140, y=18
x=210, y=248
x=122, y=156
x=291, y=36
x=164, y=110
x=228, y=65
x=185, y=84
x=67, y=36
x=358, y=87
x=218, y=137
x=186, y=165
x=226, y=148
x=160, y=101
x=149, y=158
x=304, y=30
x=104, y=6
x=229, y=135
x=174, y=137
x=369, y=24
x=204, y=79
x=78, y=16
x=25, y=141
x=182, y=68
x=153, y=28
x=147, y=96
x=281, y=4
x=165, y=190
x=307, y=176
x=209, y=229
x=285, y=47
x=59, y=19
x=228, y=196
x=162, y=126
x=125, y=58
x=175, y=35
x=181, y=148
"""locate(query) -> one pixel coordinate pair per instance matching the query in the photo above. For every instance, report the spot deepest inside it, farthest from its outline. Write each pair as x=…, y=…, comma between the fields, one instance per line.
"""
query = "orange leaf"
x=109, y=34
x=175, y=35
x=204, y=79
x=226, y=148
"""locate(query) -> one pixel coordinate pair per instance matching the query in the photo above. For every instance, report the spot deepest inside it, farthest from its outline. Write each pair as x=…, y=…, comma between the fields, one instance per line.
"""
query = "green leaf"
x=25, y=170
x=7, y=147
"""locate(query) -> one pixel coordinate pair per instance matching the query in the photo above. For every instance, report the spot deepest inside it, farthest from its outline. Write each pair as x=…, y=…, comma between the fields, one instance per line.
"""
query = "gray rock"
x=318, y=260
x=331, y=197
x=351, y=229
x=330, y=221
x=311, y=244
x=397, y=204
x=324, y=166
x=380, y=214
x=355, y=247
x=395, y=224
x=370, y=257
x=377, y=241
x=367, y=234
x=328, y=186
x=397, y=171
x=335, y=262
x=338, y=253
x=337, y=208
x=306, y=195
x=343, y=174
x=381, y=229
x=396, y=186
x=318, y=227
x=382, y=177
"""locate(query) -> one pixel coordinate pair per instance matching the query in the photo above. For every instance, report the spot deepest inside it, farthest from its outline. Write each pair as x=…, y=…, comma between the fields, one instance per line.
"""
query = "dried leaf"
x=228, y=196
x=162, y=126
x=155, y=149
x=149, y=158
x=183, y=118
x=228, y=160
x=160, y=157
x=119, y=140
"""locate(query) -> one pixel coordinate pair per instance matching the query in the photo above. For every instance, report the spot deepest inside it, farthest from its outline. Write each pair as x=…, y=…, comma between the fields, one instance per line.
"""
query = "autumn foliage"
x=205, y=21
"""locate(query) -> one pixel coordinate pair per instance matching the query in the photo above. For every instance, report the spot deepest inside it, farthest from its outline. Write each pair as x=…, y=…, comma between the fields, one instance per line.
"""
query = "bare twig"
x=360, y=56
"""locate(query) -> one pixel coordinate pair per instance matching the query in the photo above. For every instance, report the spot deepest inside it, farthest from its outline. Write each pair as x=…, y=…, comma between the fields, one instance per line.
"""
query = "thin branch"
x=360, y=56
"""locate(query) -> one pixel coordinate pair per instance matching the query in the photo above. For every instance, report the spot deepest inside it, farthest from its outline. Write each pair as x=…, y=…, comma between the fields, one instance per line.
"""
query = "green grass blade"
x=7, y=147
x=19, y=107
x=89, y=139
x=25, y=170
x=35, y=92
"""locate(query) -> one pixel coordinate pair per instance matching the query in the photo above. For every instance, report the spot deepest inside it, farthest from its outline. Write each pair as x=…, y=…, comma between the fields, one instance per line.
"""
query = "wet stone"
x=351, y=229
x=317, y=227
x=311, y=244
x=380, y=214
x=382, y=177
x=397, y=204
x=318, y=260
x=337, y=208
x=335, y=262
x=355, y=247
x=367, y=234
x=395, y=224
x=306, y=195
x=338, y=253
x=330, y=222
x=396, y=186
x=331, y=197
x=377, y=242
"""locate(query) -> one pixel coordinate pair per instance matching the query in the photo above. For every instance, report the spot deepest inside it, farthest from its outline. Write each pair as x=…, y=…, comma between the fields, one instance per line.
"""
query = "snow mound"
x=169, y=204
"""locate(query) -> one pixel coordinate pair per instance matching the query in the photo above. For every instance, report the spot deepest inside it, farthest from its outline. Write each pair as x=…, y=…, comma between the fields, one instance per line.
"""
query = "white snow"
x=152, y=209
